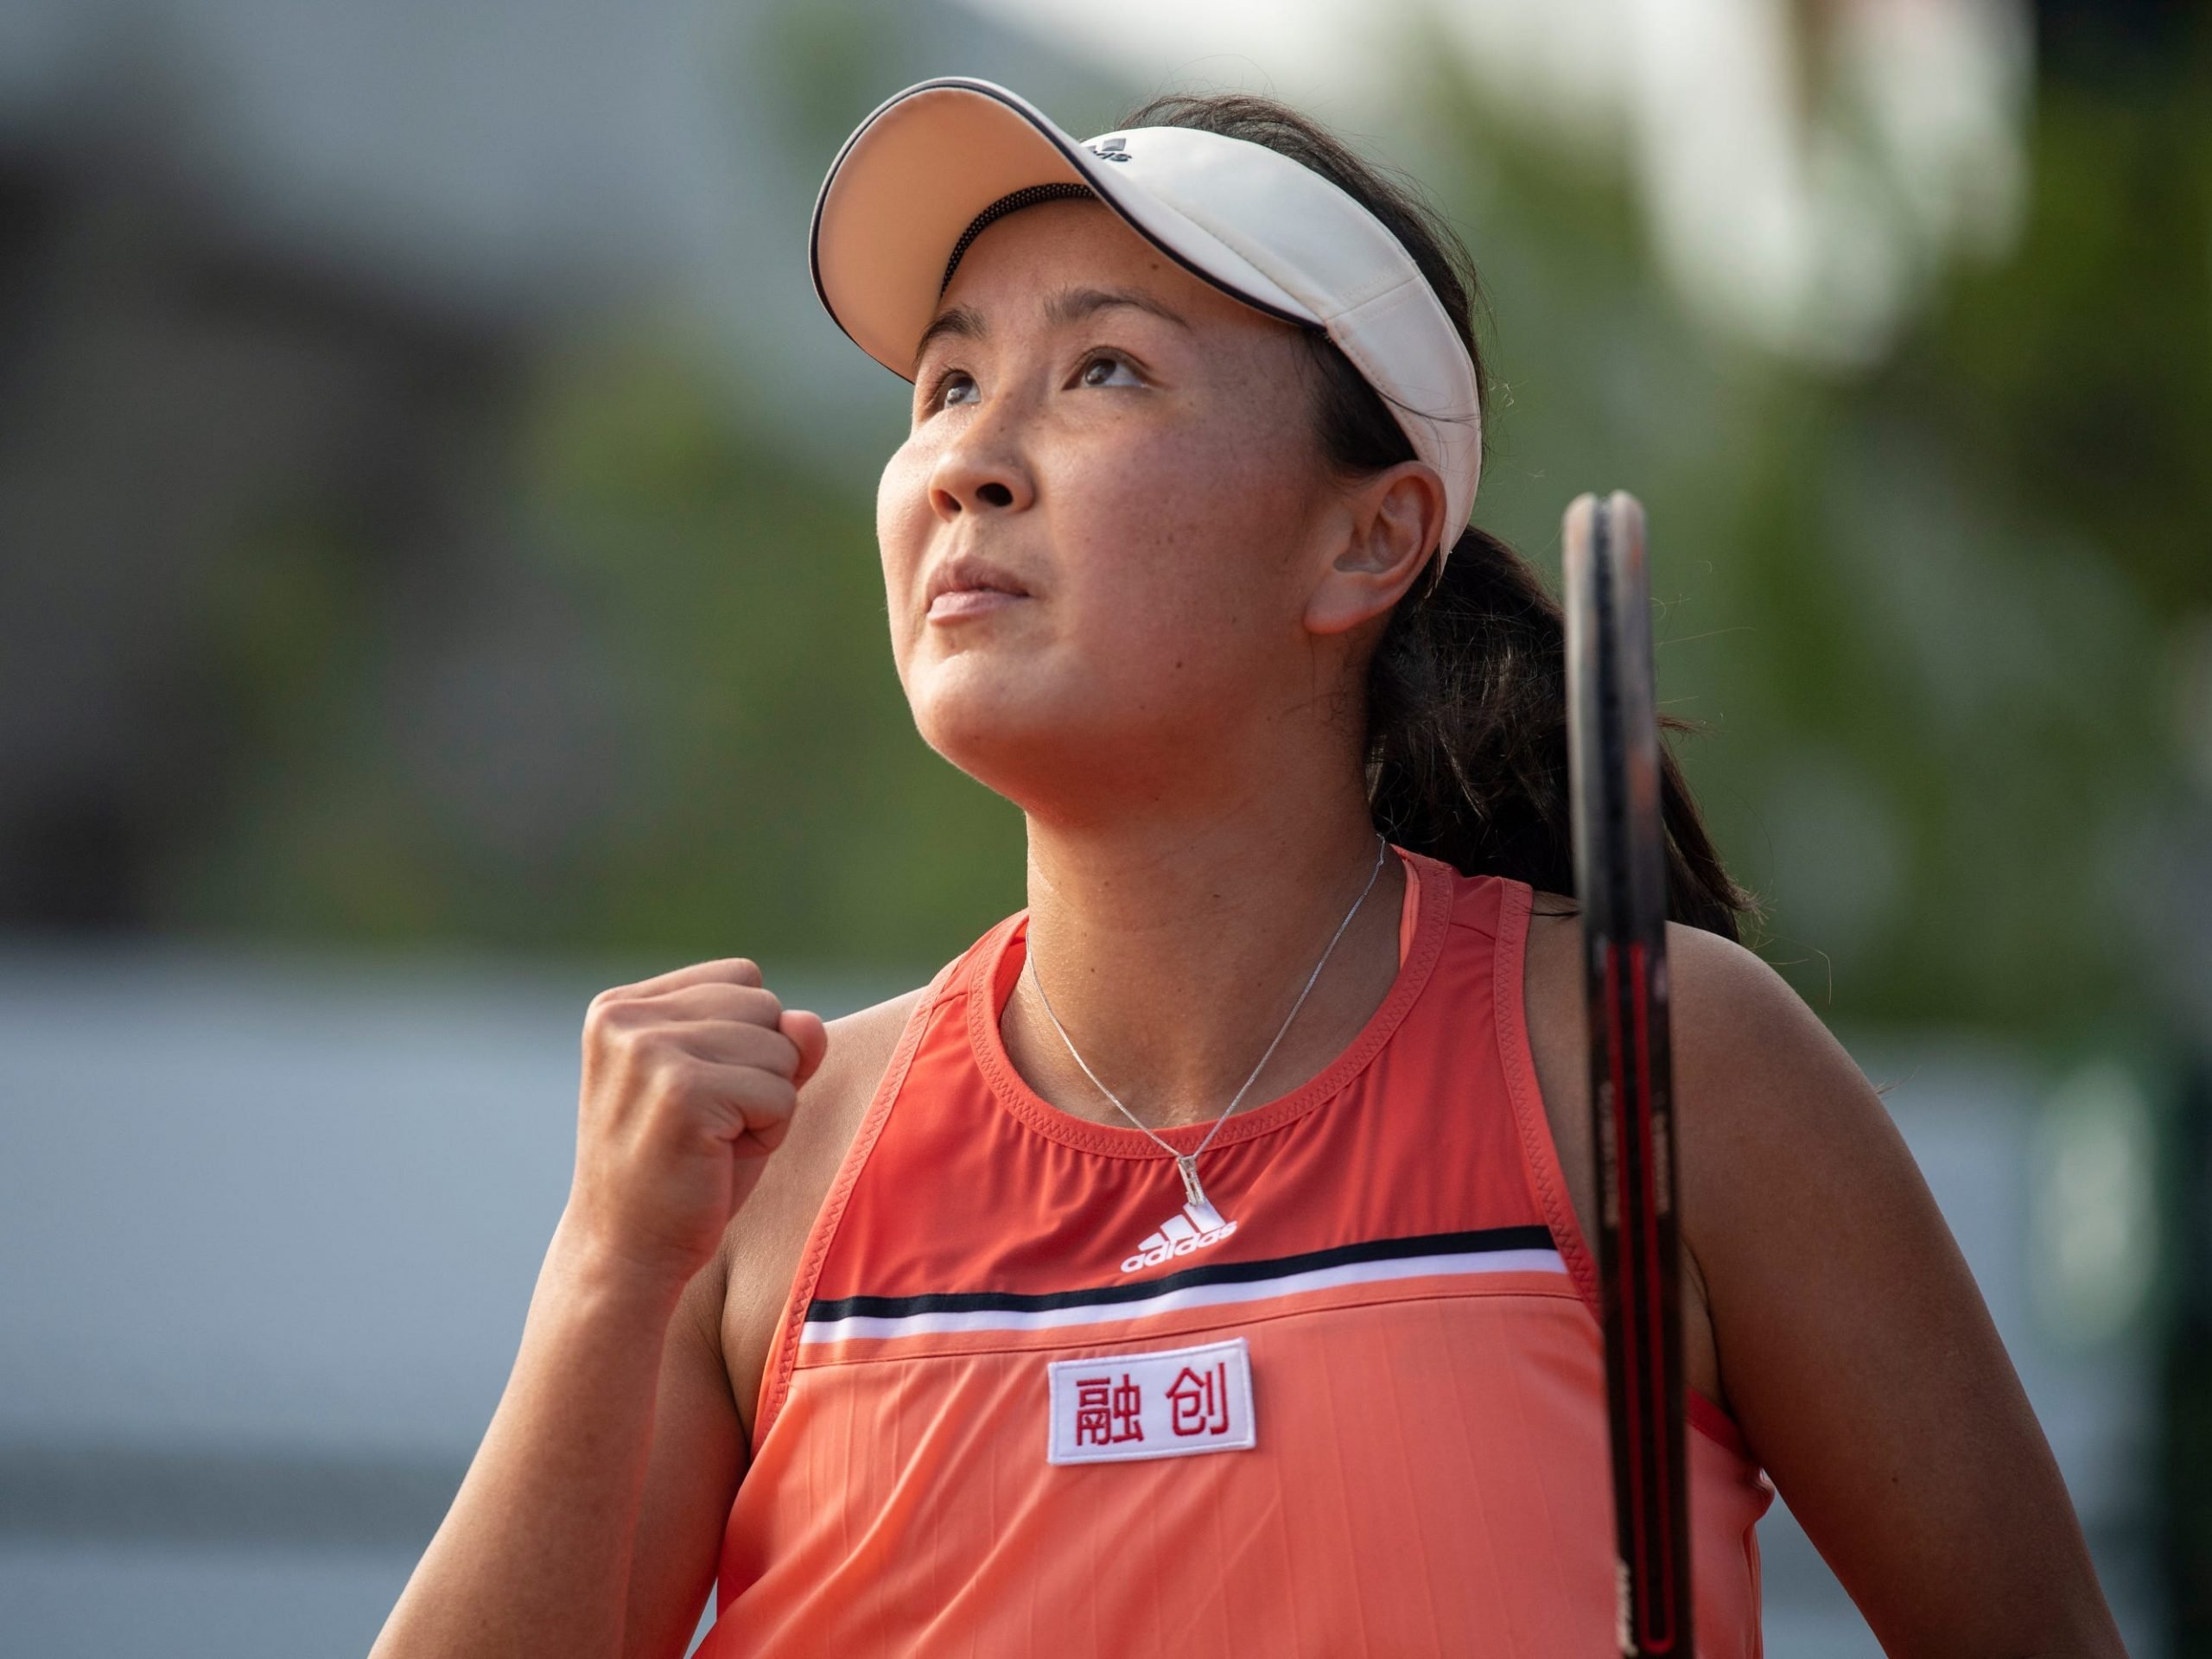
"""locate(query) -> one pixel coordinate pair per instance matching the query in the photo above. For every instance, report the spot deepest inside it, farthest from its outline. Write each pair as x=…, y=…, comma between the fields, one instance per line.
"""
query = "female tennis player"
x=1198, y=1263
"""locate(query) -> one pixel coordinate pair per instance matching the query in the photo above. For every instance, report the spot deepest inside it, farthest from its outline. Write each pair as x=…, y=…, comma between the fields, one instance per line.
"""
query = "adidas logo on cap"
x=1190, y=1229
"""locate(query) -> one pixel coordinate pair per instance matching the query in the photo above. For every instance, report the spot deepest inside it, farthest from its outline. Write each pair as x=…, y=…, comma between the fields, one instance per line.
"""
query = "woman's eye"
x=950, y=388
x=1099, y=371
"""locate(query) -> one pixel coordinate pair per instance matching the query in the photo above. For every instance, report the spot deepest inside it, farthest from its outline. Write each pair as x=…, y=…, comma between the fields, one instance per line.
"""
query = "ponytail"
x=1467, y=691
x=1467, y=738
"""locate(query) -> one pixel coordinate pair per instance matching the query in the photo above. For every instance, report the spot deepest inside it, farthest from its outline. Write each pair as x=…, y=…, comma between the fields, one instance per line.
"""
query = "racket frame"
x=1620, y=884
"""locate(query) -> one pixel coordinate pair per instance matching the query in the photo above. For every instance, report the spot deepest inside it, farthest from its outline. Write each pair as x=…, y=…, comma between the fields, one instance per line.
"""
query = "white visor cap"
x=900, y=200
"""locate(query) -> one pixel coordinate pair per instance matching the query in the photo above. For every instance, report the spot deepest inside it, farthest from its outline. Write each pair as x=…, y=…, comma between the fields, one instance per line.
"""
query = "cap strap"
x=1028, y=196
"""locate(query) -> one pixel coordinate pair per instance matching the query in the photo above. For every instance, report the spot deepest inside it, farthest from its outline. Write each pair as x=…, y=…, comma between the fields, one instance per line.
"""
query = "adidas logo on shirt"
x=1189, y=1231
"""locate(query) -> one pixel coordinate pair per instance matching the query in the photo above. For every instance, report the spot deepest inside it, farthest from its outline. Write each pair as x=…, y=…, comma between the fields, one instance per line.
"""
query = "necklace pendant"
x=1200, y=1207
x=1188, y=1164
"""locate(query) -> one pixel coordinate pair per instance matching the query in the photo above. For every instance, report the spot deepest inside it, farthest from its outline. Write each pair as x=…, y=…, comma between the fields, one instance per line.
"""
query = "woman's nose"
x=976, y=474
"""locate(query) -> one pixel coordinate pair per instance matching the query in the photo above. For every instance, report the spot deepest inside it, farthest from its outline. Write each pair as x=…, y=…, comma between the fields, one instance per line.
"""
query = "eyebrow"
x=1062, y=309
x=961, y=322
x=1072, y=305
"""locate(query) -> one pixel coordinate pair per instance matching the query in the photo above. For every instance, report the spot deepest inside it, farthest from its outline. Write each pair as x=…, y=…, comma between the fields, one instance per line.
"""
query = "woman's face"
x=1102, y=535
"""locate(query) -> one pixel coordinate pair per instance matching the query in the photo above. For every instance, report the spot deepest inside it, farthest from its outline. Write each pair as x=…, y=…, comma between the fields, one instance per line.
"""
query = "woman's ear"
x=1396, y=519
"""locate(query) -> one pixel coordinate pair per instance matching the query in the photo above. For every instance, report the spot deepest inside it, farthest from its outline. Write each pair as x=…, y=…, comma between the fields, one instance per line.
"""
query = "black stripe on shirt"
x=1212, y=1273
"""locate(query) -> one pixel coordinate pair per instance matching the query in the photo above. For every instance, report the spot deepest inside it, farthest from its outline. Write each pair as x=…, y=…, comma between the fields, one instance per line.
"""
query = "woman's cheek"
x=901, y=533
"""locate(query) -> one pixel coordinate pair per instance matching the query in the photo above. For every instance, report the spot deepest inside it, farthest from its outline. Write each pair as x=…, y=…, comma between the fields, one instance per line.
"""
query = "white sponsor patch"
x=1169, y=1404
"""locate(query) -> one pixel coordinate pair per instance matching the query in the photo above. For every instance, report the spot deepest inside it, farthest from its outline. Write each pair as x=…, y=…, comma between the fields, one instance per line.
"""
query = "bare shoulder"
x=766, y=1238
x=1751, y=1062
x=1822, y=1285
x=1736, y=1028
x=1766, y=1098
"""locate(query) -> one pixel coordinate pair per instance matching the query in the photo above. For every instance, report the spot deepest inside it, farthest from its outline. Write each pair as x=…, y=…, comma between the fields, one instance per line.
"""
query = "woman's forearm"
x=534, y=1556
x=689, y=1082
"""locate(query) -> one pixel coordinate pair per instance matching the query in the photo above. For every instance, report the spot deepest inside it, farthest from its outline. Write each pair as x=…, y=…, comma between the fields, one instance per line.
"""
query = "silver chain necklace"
x=1187, y=1163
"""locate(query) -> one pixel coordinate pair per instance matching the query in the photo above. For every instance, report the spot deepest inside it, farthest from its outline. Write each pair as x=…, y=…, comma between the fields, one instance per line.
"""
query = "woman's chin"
x=976, y=724
x=1012, y=741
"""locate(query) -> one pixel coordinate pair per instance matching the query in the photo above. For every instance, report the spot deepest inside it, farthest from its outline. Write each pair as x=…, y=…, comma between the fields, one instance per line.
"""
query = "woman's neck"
x=1172, y=949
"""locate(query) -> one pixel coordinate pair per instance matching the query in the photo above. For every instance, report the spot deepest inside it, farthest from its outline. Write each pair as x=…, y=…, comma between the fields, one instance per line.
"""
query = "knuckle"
x=749, y=1095
x=774, y=1100
x=786, y=1053
x=614, y=996
x=756, y=1007
x=609, y=1012
x=737, y=1004
x=762, y=1046
x=664, y=1059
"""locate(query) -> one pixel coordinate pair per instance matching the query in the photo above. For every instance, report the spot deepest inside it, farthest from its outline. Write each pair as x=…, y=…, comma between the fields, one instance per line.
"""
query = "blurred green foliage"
x=783, y=805
x=1927, y=611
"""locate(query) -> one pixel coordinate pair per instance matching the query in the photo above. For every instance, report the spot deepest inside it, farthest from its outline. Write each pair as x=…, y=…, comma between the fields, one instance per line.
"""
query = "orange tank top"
x=1025, y=1400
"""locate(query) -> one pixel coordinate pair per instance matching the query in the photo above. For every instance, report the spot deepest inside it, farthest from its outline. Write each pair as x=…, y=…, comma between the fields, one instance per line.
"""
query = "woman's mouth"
x=957, y=604
x=966, y=585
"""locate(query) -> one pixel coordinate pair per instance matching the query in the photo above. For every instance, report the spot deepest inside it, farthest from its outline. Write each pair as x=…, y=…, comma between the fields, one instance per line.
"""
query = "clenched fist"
x=689, y=1082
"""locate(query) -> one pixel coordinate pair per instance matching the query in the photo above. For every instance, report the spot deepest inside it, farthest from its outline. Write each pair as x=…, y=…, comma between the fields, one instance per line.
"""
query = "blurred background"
x=437, y=580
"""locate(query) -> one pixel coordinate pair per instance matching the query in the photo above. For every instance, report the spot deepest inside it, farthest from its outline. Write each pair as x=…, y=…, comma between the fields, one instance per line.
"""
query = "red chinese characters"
x=1108, y=1412
x=1123, y=1407
x=1198, y=1400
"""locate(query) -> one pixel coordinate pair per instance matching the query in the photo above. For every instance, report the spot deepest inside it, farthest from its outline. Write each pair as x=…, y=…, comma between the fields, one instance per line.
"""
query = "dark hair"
x=1467, y=691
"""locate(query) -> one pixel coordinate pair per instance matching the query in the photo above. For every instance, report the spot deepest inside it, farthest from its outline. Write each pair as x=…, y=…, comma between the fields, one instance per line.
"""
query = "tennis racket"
x=1620, y=874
